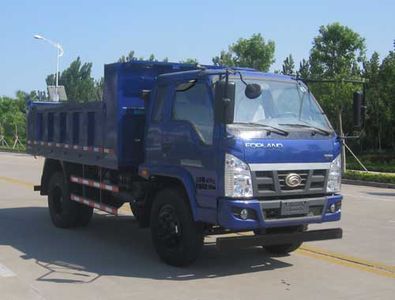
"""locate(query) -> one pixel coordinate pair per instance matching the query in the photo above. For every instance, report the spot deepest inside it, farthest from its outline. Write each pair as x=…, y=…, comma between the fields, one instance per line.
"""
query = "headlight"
x=238, y=181
x=335, y=176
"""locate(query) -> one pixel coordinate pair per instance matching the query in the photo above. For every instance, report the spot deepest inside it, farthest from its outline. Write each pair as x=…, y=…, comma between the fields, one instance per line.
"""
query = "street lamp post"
x=60, y=54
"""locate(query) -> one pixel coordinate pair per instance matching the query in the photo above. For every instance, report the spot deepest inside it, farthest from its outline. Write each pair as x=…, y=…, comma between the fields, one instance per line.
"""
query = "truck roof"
x=207, y=70
x=171, y=70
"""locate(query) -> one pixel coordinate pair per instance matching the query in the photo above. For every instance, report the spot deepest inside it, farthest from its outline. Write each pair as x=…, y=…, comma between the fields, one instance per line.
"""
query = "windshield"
x=282, y=103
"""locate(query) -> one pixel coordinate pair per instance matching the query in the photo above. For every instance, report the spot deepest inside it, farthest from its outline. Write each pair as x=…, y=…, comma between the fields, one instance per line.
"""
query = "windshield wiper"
x=273, y=129
x=317, y=129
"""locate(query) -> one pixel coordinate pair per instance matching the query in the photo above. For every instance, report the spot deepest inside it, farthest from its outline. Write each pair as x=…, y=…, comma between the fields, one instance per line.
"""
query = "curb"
x=369, y=183
x=5, y=150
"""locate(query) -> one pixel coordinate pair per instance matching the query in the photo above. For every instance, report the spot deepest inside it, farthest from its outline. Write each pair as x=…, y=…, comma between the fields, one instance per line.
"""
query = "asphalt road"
x=114, y=259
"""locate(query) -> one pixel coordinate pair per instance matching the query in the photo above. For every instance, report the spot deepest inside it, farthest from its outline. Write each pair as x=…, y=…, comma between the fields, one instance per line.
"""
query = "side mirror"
x=253, y=91
x=224, y=101
x=358, y=110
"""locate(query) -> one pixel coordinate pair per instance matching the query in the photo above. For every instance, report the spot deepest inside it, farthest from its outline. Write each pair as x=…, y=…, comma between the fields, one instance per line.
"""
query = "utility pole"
x=60, y=52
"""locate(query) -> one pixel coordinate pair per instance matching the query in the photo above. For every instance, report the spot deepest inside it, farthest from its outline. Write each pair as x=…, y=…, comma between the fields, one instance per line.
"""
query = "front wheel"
x=284, y=249
x=177, y=238
x=136, y=212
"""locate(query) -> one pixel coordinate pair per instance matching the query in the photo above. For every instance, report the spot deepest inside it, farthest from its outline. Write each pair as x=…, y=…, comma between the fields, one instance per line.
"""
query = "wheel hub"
x=169, y=227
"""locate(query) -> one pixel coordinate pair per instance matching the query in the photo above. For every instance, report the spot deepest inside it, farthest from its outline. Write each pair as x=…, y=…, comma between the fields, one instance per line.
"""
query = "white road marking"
x=5, y=272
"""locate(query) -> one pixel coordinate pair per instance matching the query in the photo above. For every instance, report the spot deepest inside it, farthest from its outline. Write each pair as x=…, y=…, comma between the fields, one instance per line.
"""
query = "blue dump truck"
x=196, y=151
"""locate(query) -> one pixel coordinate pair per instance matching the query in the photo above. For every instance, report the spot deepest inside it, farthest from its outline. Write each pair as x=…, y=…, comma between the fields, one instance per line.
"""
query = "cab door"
x=188, y=137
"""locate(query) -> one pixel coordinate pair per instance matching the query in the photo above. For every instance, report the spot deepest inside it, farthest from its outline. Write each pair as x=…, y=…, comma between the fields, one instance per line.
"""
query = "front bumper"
x=279, y=238
x=229, y=218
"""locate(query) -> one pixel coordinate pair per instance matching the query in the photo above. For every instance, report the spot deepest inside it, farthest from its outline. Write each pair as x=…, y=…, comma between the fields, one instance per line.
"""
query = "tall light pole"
x=60, y=53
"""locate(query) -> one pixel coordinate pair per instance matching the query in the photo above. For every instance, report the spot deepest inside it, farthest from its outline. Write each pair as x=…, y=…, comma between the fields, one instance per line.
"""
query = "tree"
x=386, y=81
x=99, y=88
x=38, y=95
x=337, y=54
x=336, y=51
x=380, y=98
x=288, y=65
x=224, y=59
x=304, y=69
x=131, y=57
x=191, y=61
x=127, y=58
x=78, y=82
x=13, y=116
x=252, y=52
x=152, y=57
x=375, y=105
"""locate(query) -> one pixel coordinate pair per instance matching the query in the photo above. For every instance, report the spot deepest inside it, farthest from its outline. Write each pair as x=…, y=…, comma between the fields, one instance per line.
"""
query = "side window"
x=160, y=98
x=193, y=104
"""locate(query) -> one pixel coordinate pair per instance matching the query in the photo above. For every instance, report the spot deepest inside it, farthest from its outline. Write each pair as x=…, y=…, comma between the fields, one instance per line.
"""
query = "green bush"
x=8, y=149
x=368, y=176
x=376, y=162
x=375, y=167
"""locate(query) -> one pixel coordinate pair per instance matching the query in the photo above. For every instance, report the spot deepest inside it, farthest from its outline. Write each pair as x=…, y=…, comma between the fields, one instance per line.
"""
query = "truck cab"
x=248, y=163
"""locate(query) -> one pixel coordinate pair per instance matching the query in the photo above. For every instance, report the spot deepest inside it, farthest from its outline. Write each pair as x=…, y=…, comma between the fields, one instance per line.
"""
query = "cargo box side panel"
x=71, y=132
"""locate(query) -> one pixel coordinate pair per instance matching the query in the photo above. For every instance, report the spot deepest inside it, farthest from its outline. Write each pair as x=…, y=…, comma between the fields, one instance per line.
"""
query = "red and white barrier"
x=94, y=204
x=74, y=147
x=95, y=184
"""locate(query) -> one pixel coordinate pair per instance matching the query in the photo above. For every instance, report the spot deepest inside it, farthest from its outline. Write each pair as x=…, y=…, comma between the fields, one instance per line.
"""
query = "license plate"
x=289, y=208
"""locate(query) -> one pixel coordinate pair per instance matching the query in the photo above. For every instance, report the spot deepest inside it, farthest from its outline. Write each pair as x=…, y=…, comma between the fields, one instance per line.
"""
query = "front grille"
x=272, y=183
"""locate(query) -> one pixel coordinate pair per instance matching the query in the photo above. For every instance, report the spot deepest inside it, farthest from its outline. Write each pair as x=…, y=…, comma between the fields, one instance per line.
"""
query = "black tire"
x=284, y=249
x=85, y=214
x=135, y=212
x=141, y=215
x=63, y=211
x=177, y=239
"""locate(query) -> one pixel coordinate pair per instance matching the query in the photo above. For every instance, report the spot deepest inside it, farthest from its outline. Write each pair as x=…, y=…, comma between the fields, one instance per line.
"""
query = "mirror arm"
x=242, y=79
x=226, y=84
x=350, y=137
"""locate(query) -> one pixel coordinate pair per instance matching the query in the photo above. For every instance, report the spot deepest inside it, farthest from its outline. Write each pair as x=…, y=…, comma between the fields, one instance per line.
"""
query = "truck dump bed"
x=106, y=133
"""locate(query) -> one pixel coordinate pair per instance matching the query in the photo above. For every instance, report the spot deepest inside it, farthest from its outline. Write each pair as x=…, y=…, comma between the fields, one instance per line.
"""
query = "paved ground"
x=114, y=259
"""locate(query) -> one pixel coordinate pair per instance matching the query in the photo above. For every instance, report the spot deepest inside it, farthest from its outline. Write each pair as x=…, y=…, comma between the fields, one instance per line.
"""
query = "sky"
x=102, y=31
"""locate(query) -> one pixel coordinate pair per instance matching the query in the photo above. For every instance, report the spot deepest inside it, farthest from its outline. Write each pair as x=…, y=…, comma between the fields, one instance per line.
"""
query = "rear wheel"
x=85, y=214
x=64, y=212
x=178, y=240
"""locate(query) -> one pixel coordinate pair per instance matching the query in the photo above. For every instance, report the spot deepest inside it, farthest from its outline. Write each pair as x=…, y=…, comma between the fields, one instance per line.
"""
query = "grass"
x=17, y=150
x=375, y=167
x=369, y=176
x=376, y=162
